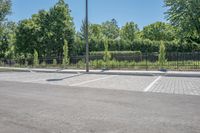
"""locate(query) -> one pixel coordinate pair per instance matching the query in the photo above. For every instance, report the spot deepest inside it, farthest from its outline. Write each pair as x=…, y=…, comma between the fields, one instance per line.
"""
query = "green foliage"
x=54, y=62
x=162, y=55
x=116, y=54
x=35, y=60
x=96, y=32
x=27, y=37
x=107, y=55
x=159, y=31
x=5, y=7
x=61, y=26
x=81, y=64
x=46, y=31
x=1, y=63
x=114, y=64
x=26, y=63
x=65, y=54
x=7, y=40
x=185, y=14
x=110, y=29
x=82, y=33
x=129, y=31
x=43, y=64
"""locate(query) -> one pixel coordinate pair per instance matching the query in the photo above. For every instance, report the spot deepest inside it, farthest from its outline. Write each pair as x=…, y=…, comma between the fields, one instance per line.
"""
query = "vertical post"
x=87, y=45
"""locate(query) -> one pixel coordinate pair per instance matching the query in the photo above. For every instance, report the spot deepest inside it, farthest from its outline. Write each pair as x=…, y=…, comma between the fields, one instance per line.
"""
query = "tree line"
x=48, y=32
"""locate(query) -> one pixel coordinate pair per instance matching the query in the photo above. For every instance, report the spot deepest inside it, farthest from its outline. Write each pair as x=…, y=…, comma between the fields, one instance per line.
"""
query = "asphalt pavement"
x=28, y=107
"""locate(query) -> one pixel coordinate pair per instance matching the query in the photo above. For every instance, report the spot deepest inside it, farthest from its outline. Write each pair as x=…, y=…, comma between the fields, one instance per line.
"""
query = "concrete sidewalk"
x=108, y=72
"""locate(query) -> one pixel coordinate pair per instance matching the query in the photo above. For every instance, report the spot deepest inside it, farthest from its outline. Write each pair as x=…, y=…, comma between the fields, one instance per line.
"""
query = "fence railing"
x=145, y=61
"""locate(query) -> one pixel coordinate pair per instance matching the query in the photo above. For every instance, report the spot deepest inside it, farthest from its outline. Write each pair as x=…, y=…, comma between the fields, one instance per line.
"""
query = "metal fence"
x=145, y=61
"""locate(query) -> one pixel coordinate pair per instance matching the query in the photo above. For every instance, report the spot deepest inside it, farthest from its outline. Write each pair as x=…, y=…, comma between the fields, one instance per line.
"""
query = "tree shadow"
x=60, y=79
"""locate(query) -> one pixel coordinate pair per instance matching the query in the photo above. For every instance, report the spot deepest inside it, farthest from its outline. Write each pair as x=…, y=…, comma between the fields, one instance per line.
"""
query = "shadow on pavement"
x=54, y=80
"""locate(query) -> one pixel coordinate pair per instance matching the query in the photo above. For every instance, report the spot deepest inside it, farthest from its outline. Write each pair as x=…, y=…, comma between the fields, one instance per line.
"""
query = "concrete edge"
x=182, y=74
x=107, y=72
x=4, y=69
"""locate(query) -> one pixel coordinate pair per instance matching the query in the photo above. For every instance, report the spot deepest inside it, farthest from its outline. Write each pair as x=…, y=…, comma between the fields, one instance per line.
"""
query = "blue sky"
x=142, y=12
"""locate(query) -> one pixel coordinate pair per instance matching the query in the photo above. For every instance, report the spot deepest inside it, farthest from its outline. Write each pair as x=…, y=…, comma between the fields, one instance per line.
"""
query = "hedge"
x=136, y=45
x=118, y=55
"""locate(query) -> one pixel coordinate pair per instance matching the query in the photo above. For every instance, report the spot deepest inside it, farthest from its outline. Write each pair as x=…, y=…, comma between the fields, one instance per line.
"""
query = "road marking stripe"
x=151, y=85
x=85, y=82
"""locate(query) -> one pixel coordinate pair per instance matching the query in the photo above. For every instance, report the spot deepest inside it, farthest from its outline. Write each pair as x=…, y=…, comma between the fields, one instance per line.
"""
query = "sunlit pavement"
x=158, y=84
x=82, y=103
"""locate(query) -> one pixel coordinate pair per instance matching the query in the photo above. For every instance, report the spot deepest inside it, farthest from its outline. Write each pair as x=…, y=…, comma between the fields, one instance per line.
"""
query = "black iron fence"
x=144, y=61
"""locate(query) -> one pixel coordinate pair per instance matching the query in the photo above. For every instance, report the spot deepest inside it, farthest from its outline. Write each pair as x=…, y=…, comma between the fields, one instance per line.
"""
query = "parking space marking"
x=85, y=82
x=151, y=85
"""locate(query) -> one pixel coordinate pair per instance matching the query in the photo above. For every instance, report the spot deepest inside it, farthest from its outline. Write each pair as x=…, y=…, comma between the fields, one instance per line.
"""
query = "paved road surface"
x=170, y=85
x=45, y=108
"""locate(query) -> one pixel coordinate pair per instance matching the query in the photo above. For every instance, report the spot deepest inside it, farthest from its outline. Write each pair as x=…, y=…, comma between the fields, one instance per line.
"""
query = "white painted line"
x=85, y=82
x=151, y=85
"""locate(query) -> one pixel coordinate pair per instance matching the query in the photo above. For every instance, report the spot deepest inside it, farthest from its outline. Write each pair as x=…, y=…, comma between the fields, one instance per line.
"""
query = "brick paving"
x=177, y=85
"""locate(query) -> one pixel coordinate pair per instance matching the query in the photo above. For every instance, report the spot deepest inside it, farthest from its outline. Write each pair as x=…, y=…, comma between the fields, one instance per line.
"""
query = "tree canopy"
x=159, y=31
x=46, y=31
x=5, y=28
x=129, y=31
x=5, y=9
x=110, y=29
x=185, y=14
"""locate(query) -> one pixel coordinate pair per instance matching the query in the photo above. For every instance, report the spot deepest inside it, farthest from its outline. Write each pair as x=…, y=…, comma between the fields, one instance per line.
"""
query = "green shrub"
x=81, y=64
x=17, y=65
x=54, y=62
x=162, y=56
x=107, y=55
x=1, y=63
x=43, y=64
x=26, y=63
x=35, y=60
x=117, y=55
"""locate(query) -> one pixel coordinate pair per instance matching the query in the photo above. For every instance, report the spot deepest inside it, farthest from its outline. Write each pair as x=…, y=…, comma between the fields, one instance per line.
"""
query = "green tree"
x=110, y=29
x=82, y=33
x=96, y=31
x=7, y=40
x=27, y=39
x=61, y=26
x=43, y=33
x=35, y=60
x=5, y=9
x=185, y=14
x=46, y=32
x=159, y=31
x=65, y=54
x=129, y=31
x=162, y=55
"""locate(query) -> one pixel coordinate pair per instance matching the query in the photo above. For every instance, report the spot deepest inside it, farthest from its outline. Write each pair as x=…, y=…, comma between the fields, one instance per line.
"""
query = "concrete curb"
x=107, y=72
